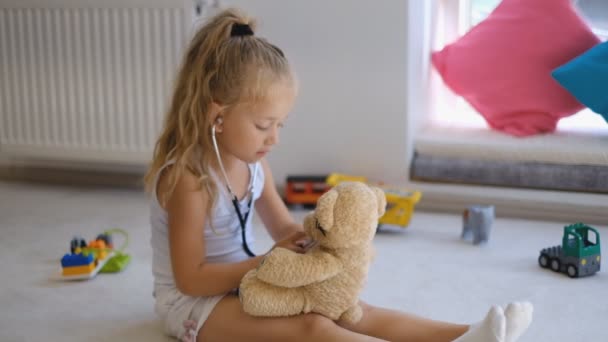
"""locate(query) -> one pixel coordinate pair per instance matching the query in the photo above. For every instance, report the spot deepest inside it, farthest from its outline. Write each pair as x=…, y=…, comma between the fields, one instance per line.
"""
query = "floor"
x=425, y=269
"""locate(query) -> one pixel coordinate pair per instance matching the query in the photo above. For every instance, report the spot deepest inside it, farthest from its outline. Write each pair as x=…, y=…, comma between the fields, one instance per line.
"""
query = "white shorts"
x=174, y=308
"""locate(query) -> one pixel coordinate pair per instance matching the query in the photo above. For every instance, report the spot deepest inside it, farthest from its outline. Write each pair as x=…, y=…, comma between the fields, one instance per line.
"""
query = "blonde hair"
x=219, y=67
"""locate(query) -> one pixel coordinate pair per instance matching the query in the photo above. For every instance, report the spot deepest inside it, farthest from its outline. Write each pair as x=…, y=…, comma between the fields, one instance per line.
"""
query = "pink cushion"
x=503, y=66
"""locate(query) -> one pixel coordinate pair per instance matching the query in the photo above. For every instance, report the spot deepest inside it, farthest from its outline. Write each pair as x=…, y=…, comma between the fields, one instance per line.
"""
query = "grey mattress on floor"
x=587, y=178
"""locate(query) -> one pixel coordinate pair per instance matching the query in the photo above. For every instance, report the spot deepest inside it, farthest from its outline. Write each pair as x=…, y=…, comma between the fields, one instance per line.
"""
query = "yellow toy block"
x=400, y=206
x=76, y=270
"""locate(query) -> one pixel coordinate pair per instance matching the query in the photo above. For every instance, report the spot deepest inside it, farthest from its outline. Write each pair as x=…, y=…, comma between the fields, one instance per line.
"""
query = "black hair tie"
x=239, y=30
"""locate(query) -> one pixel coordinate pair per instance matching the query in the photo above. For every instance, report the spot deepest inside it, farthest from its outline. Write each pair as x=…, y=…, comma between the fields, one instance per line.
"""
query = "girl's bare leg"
x=228, y=322
x=398, y=326
x=497, y=326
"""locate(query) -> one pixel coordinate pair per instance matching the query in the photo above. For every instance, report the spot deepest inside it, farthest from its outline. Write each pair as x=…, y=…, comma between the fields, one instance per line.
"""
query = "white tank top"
x=223, y=242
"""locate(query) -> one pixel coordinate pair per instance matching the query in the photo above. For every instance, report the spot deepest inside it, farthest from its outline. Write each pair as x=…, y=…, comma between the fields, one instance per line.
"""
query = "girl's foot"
x=519, y=317
x=491, y=329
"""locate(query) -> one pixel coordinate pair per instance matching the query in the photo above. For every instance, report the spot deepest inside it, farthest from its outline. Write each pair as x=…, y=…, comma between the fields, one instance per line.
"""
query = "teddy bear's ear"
x=381, y=197
x=325, y=209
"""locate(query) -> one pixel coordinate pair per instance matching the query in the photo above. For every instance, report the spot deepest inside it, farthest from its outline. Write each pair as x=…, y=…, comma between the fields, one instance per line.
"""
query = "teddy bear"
x=328, y=278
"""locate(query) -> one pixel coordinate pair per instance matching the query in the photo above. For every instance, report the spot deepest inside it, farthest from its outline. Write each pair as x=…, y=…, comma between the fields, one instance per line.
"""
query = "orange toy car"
x=305, y=190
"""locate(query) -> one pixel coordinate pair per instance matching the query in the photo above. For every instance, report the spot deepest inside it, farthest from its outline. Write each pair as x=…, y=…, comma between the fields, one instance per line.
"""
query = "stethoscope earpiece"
x=218, y=122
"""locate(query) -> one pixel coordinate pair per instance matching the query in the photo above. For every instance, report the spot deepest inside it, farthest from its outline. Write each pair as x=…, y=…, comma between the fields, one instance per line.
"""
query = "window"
x=428, y=23
x=451, y=141
x=454, y=18
x=595, y=11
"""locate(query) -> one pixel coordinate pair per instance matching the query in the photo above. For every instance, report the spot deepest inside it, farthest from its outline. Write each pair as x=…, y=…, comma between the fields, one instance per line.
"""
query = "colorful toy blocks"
x=85, y=260
x=71, y=260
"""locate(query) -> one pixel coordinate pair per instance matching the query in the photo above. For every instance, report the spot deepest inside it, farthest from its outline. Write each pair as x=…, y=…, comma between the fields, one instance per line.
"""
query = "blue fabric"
x=586, y=78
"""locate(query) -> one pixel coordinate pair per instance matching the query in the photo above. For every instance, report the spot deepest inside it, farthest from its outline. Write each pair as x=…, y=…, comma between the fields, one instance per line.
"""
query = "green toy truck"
x=578, y=256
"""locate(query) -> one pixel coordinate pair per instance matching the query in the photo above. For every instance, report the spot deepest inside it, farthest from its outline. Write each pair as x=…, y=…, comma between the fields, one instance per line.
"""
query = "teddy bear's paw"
x=352, y=315
x=248, y=281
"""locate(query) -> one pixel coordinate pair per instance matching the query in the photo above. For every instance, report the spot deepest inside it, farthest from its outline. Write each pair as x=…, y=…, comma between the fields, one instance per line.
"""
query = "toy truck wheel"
x=555, y=264
x=572, y=271
x=543, y=260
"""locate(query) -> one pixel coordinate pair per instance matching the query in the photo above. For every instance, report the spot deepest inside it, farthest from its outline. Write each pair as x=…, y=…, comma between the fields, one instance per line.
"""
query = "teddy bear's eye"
x=318, y=226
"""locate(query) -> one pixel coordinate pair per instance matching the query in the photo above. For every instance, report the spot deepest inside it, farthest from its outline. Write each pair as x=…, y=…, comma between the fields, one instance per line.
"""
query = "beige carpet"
x=424, y=269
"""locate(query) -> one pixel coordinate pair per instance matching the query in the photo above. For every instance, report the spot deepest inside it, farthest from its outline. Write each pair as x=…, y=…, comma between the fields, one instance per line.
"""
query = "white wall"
x=350, y=57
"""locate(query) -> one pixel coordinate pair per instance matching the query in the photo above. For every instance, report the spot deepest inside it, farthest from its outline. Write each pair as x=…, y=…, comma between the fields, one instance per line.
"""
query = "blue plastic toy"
x=477, y=223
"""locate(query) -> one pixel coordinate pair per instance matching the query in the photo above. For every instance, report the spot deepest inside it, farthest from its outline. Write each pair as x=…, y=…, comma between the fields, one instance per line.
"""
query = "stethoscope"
x=235, y=200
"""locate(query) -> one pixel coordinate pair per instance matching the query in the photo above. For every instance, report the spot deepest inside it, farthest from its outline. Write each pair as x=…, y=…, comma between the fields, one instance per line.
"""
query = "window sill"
x=481, y=143
x=577, y=148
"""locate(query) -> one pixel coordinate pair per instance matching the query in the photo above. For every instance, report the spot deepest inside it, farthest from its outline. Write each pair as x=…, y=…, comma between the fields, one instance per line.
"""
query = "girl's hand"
x=298, y=242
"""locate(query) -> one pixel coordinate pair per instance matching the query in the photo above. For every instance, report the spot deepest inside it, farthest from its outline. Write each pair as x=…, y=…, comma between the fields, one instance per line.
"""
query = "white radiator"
x=88, y=80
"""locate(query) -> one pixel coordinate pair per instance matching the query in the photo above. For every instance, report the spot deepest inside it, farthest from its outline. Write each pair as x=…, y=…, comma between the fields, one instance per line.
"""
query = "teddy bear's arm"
x=285, y=268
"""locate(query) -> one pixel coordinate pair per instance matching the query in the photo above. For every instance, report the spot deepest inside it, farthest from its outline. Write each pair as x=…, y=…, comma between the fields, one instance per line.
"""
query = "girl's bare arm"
x=272, y=210
x=187, y=214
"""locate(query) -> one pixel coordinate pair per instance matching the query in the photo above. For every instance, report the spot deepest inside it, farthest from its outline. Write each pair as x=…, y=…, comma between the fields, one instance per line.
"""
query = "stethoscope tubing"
x=235, y=200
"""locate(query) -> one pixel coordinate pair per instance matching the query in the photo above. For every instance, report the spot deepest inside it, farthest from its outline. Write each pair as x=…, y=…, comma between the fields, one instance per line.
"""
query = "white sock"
x=491, y=329
x=519, y=317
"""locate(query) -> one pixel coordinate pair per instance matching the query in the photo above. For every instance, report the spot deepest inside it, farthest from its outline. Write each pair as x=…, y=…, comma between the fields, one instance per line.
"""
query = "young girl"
x=232, y=95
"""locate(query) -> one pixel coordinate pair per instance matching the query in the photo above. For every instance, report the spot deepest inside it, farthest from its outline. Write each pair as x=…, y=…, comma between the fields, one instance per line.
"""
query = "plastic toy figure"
x=77, y=242
x=107, y=238
x=579, y=254
x=477, y=223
